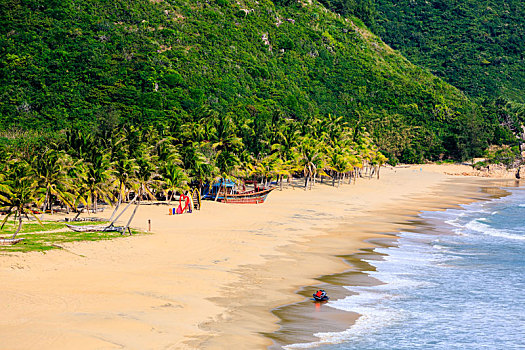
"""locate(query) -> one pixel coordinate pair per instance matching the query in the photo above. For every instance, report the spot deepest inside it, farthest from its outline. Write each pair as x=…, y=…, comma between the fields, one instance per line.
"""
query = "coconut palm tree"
x=337, y=161
x=310, y=155
x=175, y=179
x=122, y=171
x=355, y=164
x=17, y=193
x=50, y=168
x=146, y=178
x=285, y=149
x=201, y=168
x=378, y=161
x=97, y=177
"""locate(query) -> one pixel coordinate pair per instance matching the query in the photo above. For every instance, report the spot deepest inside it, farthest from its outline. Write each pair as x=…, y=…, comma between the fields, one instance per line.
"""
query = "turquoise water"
x=463, y=288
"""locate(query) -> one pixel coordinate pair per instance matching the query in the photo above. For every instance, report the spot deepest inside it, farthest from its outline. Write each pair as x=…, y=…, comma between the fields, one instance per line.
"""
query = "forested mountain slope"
x=74, y=62
x=476, y=45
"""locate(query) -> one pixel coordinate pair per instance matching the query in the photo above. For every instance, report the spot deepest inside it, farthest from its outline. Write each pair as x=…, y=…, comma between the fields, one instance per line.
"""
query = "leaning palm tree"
x=378, y=161
x=17, y=193
x=145, y=177
x=122, y=170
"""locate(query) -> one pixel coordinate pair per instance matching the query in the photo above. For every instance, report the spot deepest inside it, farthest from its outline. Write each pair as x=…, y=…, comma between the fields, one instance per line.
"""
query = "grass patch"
x=36, y=237
x=29, y=227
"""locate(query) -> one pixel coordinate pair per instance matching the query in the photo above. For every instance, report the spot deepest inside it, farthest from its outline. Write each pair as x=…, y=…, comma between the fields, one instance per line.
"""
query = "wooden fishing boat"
x=10, y=241
x=95, y=228
x=246, y=197
x=226, y=191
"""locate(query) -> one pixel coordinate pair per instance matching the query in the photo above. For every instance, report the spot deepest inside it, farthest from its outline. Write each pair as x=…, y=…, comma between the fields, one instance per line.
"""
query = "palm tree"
x=310, y=159
x=175, y=179
x=17, y=193
x=285, y=149
x=78, y=144
x=201, y=168
x=378, y=161
x=338, y=162
x=355, y=164
x=122, y=171
x=50, y=169
x=145, y=181
x=98, y=180
x=268, y=167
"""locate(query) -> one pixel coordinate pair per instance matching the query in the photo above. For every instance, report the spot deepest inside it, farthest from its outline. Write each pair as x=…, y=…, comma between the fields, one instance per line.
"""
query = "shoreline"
x=206, y=280
x=301, y=320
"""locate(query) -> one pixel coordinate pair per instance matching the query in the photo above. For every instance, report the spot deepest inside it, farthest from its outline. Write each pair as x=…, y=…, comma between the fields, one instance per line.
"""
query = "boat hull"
x=246, y=198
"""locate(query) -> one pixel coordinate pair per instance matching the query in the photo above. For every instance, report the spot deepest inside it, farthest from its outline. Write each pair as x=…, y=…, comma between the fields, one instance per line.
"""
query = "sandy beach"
x=210, y=279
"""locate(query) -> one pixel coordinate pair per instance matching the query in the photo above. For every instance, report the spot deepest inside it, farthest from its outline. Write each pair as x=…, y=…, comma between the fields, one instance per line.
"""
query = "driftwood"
x=96, y=228
x=10, y=241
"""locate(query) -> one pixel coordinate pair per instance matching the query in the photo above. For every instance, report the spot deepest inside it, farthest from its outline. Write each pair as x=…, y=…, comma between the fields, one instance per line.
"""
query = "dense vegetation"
x=477, y=46
x=73, y=63
x=82, y=169
x=259, y=64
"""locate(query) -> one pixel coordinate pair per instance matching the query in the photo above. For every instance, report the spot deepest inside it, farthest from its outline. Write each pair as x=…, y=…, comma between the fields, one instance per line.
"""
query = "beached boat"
x=95, y=228
x=246, y=197
x=226, y=192
x=10, y=241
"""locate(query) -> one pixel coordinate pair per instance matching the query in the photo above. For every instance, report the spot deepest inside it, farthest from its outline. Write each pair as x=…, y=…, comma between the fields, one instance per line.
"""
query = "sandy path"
x=204, y=280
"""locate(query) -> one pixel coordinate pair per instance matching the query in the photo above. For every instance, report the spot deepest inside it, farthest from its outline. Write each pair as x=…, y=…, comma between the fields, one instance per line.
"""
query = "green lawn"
x=37, y=238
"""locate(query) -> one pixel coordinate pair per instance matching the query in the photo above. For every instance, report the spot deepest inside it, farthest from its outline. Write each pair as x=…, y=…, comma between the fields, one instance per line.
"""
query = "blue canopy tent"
x=211, y=192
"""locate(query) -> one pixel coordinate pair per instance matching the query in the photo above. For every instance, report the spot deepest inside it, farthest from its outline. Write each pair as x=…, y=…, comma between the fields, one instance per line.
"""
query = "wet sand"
x=206, y=280
x=299, y=322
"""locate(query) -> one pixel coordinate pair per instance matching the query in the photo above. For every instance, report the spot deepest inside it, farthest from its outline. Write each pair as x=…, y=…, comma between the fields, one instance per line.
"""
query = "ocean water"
x=463, y=288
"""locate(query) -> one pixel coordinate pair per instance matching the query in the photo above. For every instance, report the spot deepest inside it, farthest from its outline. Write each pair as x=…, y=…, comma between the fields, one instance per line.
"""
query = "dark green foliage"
x=146, y=63
x=475, y=45
x=362, y=9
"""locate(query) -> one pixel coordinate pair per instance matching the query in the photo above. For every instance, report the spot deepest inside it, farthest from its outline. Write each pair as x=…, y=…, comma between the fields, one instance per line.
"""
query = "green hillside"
x=477, y=46
x=166, y=63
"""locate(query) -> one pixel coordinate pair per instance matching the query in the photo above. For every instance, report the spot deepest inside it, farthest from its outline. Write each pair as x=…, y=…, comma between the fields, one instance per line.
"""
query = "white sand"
x=202, y=280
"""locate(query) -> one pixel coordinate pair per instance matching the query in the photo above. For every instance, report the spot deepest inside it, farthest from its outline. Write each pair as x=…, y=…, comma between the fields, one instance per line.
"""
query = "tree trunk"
x=78, y=214
x=118, y=205
x=217, y=194
x=122, y=212
x=378, y=168
x=44, y=206
x=19, y=224
x=305, y=183
x=132, y=215
x=281, y=182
